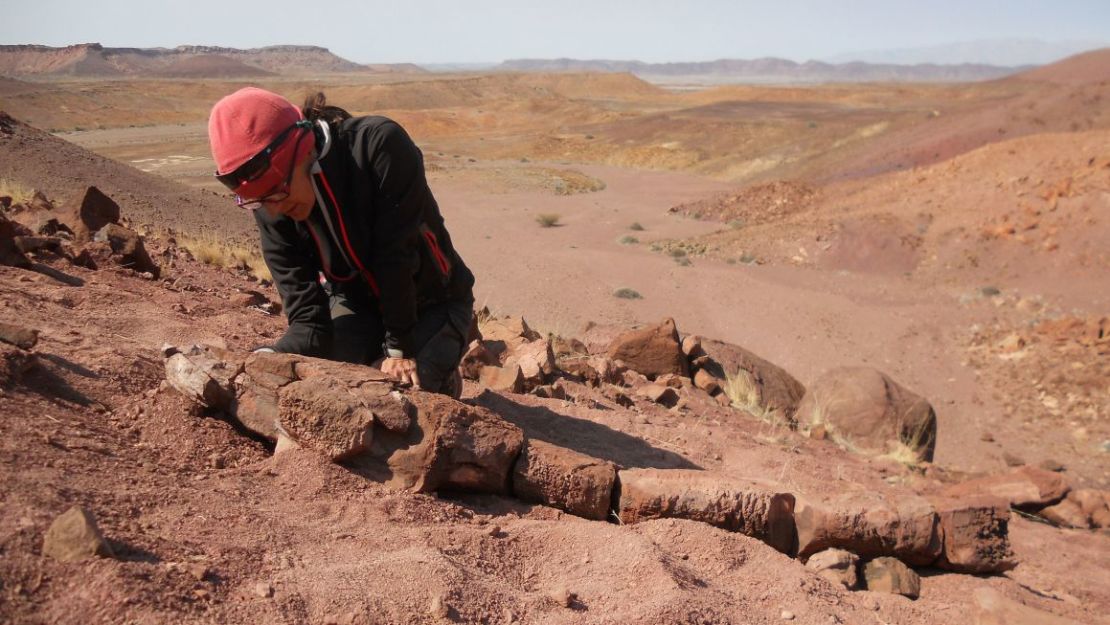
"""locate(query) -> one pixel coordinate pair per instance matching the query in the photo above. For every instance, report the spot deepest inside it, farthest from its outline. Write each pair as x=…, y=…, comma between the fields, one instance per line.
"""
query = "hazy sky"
x=456, y=31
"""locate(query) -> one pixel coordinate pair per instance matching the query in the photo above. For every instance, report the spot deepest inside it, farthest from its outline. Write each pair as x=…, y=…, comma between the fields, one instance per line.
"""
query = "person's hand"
x=402, y=370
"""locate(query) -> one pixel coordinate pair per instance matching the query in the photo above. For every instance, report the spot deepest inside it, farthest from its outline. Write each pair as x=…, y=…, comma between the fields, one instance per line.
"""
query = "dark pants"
x=439, y=338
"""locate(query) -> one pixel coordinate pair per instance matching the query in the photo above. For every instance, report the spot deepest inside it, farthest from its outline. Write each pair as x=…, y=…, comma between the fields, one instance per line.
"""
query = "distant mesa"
x=93, y=60
x=770, y=70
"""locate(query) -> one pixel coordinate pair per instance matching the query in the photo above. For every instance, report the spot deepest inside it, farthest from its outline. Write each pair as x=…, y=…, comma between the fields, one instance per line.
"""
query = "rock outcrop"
x=753, y=384
x=92, y=211
x=564, y=479
x=870, y=527
x=863, y=410
x=1027, y=488
x=738, y=506
x=652, y=351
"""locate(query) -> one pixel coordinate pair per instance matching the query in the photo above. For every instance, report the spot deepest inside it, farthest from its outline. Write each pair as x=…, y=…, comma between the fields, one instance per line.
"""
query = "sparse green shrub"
x=677, y=252
x=636, y=226
x=683, y=261
x=628, y=239
x=627, y=293
x=547, y=220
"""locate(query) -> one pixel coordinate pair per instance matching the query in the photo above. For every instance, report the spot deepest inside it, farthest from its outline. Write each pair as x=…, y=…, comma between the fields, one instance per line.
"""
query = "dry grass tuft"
x=19, y=192
x=910, y=450
x=743, y=392
x=212, y=251
x=548, y=220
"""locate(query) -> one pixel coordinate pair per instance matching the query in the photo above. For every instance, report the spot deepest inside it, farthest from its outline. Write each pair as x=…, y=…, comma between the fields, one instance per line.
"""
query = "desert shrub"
x=736, y=224
x=683, y=261
x=628, y=239
x=636, y=226
x=548, y=220
x=627, y=293
x=677, y=252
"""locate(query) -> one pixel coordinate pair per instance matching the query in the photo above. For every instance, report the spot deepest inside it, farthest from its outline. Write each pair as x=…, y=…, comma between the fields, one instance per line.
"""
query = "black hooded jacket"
x=375, y=234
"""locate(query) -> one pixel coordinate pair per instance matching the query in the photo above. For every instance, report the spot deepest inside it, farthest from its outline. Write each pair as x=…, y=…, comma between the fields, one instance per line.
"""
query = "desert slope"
x=90, y=60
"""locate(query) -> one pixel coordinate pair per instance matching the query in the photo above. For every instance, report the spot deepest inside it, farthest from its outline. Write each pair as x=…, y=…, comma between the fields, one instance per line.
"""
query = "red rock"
x=503, y=336
x=565, y=479
x=691, y=346
x=23, y=338
x=663, y=395
x=869, y=526
x=536, y=360
x=507, y=379
x=392, y=410
x=246, y=299
x=350, y=374
x=652, y=351
x=74, y=536
x=706, y=382
x=774, y=390
x=628, y=377
x=564, y=347
x=550, y=391
x=452, y=447
x=836, y=565
x=14, y=362
x=672, y=380
x=10, y=254
x=256, y=400
x=975, y=535
x=864, y=410
x=94, y=211
x=1067, y=513
x=618, y=396
x=1027, y=488
x=508, y=329
x=476, y=357
x=1090, y=500
x=128, y=246
x=893, y=576
x=204, y=376
x=321, y=414
x=735, y=505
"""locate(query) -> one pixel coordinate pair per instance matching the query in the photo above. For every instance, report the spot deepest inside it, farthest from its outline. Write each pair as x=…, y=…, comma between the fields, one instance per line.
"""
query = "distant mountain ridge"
x=770, y=70
x=1004, y=52
x=94, y=60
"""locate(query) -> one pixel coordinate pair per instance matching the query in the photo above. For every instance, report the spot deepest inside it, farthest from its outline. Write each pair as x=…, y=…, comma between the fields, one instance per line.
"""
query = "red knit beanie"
x=244, y=123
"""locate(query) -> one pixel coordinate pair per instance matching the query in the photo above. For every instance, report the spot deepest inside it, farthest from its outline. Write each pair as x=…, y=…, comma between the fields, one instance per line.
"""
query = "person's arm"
x=296, y=277
x=401, y=198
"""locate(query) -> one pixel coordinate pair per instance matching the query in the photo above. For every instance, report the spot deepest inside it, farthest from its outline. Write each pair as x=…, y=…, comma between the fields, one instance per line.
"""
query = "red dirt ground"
x=887, y=271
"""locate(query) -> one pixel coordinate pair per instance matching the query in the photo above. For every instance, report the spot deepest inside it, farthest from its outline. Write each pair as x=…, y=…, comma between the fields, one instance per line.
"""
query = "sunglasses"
x=258, y=166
